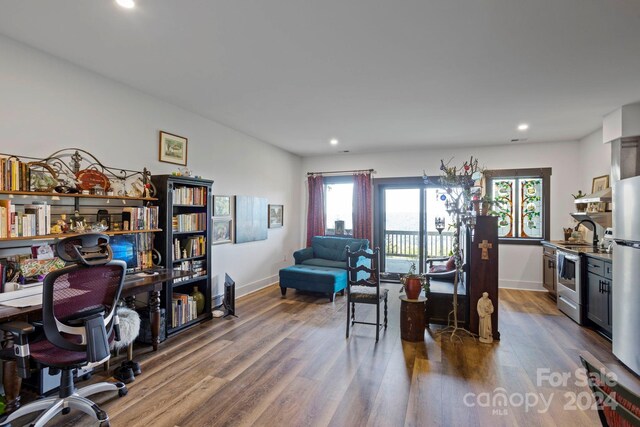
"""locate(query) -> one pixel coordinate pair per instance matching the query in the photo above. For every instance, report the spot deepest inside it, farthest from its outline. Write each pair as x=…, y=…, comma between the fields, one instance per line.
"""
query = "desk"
x=133, y=285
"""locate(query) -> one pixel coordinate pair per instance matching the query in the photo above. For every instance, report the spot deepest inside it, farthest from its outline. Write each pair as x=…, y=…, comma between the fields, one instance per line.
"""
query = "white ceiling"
x=379, y=75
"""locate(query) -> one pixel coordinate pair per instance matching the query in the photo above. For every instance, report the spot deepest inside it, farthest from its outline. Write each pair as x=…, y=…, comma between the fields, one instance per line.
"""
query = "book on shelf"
x=24, y=221
x=198, y=267
x=140, y=218
x=189, y=196
x=184, y=309
x=190, y=247
x=189, y=222
x=14, y=175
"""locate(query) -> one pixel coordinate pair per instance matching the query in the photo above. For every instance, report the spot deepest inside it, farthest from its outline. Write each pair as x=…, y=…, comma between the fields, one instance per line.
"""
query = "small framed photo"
x=599, y=183
x=221, y=205
x=222, y=229
x=173, y=148
x=276, y=216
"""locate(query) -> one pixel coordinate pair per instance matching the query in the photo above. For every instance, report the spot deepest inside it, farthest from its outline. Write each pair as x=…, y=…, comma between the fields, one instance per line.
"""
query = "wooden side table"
x=412, y=318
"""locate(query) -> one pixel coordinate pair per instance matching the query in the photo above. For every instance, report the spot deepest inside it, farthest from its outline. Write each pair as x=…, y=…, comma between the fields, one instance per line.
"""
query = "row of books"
x=183, y=308
x=189, y=247
x=189, y=222
x=14, y=175
x=189, y=196
x=26, y=221
x=197, y=267
x=140, y=218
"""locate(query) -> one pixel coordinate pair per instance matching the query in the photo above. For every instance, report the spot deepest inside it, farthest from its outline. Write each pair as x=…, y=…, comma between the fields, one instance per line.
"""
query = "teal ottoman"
x=314, y=279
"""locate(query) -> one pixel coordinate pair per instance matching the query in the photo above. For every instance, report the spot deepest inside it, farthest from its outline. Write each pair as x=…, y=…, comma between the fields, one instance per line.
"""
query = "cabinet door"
x=608, y=285
x=549, y=274
x=597, y=304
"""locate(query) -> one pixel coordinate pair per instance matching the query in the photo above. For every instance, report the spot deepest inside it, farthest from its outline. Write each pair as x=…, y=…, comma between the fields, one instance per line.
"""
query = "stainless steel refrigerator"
x=626, y=273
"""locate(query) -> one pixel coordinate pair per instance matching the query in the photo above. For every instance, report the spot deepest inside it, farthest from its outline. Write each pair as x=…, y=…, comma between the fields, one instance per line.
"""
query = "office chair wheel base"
x=105, y=424
x=123, y=392
x=87, y=376
x=65, y=411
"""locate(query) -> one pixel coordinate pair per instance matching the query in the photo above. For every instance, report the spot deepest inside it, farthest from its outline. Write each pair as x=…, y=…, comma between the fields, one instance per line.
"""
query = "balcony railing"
x=407, y=243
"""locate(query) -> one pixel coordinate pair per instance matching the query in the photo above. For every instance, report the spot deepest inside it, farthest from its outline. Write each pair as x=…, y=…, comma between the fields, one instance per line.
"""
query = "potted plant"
x=581, y=207
x=413, y=283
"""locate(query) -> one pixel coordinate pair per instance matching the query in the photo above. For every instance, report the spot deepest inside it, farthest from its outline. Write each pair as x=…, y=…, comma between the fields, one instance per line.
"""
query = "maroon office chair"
x=79, y=320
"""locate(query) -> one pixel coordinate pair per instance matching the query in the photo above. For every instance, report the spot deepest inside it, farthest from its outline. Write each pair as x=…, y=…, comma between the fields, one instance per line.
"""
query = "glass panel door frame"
x=379, y=215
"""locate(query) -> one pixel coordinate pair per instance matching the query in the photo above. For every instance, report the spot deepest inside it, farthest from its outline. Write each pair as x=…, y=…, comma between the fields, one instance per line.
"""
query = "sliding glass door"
x=411, y=225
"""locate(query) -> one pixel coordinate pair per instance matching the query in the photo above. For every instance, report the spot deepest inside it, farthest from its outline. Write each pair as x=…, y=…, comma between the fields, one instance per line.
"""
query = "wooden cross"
x=485, y=246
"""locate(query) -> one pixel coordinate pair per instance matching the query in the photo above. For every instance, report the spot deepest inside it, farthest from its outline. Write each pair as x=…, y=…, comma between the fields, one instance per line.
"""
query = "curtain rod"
x=349, y=171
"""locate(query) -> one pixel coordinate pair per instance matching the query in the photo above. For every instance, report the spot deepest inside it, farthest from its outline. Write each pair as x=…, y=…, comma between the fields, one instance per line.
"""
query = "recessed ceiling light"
x=127, y=4
x=333, y=141
x=523, y=126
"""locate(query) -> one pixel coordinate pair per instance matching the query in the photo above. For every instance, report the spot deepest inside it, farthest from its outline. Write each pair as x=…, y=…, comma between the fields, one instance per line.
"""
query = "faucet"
x=595, y=233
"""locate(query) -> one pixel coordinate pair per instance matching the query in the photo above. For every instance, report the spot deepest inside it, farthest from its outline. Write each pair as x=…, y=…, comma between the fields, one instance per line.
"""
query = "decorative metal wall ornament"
x=76, y=169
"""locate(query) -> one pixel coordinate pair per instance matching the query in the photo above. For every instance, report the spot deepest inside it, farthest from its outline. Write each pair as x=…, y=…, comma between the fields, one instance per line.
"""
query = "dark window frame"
x=542, y=173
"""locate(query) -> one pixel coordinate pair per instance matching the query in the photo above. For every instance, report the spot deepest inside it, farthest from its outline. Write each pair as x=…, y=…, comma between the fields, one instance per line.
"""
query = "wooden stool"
x=412, y=318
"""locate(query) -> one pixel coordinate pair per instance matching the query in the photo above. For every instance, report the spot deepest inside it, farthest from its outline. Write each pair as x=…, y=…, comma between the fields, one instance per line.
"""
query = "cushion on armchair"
x=442, y=268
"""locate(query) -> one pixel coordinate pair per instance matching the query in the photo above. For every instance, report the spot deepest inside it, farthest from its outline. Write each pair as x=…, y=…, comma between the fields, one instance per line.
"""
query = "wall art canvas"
x=251, y=219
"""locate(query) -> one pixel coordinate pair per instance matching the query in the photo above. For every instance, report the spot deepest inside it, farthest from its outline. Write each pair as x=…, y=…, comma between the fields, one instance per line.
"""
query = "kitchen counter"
x=579, y=248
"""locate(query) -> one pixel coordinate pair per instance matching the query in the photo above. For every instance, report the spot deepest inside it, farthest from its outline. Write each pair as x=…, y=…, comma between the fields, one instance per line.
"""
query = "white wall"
x=594, y=159
x=47, y=104
x=520, y=266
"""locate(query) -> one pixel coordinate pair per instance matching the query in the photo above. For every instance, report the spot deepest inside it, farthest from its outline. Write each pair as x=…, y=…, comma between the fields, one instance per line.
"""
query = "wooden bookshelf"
x=174, y=194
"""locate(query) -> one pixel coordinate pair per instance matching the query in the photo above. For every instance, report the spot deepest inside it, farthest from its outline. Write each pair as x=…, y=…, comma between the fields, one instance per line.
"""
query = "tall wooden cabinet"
x=184, y=244
x=483, y=270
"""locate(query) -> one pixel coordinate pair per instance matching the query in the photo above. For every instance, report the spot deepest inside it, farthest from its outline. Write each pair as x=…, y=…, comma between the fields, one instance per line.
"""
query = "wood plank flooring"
x=286, y=362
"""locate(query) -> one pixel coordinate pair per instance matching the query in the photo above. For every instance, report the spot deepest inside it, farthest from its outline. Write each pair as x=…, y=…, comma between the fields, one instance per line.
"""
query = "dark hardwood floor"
x=286, y=362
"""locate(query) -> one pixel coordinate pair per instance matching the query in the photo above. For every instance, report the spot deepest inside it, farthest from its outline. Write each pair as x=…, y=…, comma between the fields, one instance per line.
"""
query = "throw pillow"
x=451, y=264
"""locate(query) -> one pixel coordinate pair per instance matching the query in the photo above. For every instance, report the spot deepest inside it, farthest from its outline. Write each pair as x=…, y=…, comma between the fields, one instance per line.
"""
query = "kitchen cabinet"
x=599, y=285
x=549, y=277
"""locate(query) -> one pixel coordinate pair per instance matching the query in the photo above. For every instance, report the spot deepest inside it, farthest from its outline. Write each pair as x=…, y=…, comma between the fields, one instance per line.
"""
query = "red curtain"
x=362, y=207
x=315, y=212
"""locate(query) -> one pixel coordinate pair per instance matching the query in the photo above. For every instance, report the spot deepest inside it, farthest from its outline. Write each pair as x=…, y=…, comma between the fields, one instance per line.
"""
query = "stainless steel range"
x=569, y=289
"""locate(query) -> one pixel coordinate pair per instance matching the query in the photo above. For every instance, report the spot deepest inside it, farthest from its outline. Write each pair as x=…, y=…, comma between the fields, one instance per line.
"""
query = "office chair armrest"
x=20, y=330
x=17, y=327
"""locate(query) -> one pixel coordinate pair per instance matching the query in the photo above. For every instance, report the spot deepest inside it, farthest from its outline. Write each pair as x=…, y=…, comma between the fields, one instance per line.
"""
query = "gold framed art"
x=173, y=148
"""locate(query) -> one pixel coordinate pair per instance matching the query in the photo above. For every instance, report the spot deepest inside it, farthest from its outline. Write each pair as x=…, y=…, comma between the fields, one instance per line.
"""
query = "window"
x=338, y=203
x=522, y=203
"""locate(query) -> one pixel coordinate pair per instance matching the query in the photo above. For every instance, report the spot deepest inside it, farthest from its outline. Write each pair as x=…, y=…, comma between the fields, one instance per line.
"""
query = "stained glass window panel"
x=503, y=195
x=530, y=208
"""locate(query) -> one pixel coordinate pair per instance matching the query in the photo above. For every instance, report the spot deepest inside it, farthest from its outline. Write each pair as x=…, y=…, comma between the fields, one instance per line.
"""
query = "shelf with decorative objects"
x=69, y=193
x=33, y=193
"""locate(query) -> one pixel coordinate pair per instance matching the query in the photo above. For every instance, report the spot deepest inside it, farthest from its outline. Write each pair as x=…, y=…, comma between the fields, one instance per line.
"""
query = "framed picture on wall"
x=222, y=230
x=276, y=216
x=173, y=148
x=221, y=205
x=599, y=183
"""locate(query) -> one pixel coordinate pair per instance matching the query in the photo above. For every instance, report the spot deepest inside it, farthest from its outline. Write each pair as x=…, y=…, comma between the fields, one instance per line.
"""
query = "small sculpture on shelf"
x=77, y=223
x=485, y=309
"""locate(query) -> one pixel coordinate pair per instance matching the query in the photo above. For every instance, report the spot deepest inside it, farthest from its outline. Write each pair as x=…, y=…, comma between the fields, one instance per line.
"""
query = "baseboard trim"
x=256, y=286
x=522, y=285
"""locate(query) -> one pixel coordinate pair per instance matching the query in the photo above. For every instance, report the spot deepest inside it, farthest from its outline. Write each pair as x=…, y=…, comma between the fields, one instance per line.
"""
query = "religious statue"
x=485, y=309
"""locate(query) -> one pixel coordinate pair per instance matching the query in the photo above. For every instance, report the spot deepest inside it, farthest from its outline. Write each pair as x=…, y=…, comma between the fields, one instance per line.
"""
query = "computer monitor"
x=125, y=248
